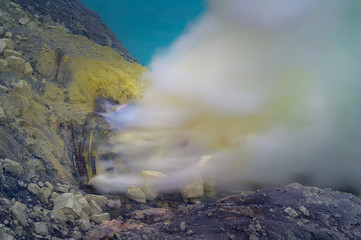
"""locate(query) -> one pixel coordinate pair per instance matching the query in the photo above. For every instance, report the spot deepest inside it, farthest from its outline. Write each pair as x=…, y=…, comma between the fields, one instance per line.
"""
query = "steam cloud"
x=270, y=88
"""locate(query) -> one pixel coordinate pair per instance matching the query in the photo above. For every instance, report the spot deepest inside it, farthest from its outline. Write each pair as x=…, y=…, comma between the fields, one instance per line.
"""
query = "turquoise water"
x=145, y=27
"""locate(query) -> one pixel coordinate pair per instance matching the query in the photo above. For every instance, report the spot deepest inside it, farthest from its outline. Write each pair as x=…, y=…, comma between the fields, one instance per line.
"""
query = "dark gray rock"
x=18, y=212
x=41, y=228
x=80, y=20
x=291, y=212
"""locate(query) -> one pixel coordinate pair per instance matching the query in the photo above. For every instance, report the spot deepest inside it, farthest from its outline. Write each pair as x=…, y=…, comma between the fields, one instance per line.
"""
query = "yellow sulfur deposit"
x=110, y=79
x=87, y=70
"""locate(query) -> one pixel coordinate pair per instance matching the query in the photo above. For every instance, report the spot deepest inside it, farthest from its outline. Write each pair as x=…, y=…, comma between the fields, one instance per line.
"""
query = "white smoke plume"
x=270, y=88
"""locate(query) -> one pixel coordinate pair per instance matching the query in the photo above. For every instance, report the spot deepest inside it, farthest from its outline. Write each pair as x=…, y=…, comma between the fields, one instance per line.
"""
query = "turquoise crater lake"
x=145, y=27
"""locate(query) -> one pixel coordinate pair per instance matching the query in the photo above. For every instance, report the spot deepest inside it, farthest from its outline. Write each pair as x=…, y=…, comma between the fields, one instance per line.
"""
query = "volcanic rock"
x=9, y=52
x=18, y=212
x=3, y=65
x=23, y=21
x=84, y=225
x=149, y=191
x=136, y=194
x=28, y=69
x=33, y=188
x=194, y=189
x=5, y=236
x=41, y=228
x=2, y=45
x=44, y=194
x=98, y=199
x=12, y=167
x=76, y=17
x=16, y=63
x=99, y=218
x=70, y=204
x=9, y=43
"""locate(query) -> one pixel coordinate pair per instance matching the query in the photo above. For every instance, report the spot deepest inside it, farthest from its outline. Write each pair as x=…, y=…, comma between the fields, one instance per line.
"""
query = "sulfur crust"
x=110, y=79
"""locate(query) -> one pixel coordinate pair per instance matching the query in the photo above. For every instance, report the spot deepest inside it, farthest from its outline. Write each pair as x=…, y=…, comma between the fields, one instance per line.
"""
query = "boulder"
x=94, y=207
x=16, y=63
x=10, y=52
x=100, y=200
x=4, y=202
x=84, y=225
x=99, y=218
x=12, y=167
x=18, y=212
x=44, y=194
x=53, y=196
x=9, y=43
x=150, y=191
x=62, y=189
x=49, y=185
x=5, y=236
x=9, y=34
x=33, y=188
x=70, y=204
x=152, y=174
x=3, y=65
x=136, y=194
x=113, y=203
x=32, y=24
x=194, y=189
x=148, y=188
x=23, y=88
x=28, y=69
x=2, y=115
x=41, y=228
x=23, y=21
x=2, y=45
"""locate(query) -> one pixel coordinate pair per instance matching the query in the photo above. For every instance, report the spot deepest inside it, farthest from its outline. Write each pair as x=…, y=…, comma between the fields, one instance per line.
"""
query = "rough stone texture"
x=248, y=215
x=23, y=21
x=12, y=167
x=5, y=236
x=16, y=63
x=18, y=211
x=150, y=191
x=9, y=34
x=152, y=215
x=10, y=52
x=136, y=194
x=2, y=114
x=3, y=65
x=99, y=218
x=41, y=228
x=98, y=199
x=44, y=194
x=49, y=185
x=42, y=130
x=70, y=204
x=193, y=190
x=33, y=188
x=2, y=45
x=84, y=225
x=28, y=69
x=80, y=20
x=9, y=43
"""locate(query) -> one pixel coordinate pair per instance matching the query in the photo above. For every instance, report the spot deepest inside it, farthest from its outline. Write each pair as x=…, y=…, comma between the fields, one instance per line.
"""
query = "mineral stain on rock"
x=57, y=59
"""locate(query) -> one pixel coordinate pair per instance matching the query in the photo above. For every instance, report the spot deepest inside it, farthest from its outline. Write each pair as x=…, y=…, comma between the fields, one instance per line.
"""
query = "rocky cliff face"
x=54, y=63
x=58, y=64
x=49, y=80
x=78, y=19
